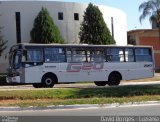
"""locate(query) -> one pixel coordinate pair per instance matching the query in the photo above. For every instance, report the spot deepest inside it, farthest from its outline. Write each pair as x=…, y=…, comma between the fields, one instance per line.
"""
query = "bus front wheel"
x=114, y=79
x=100, y=83
x=48, y=81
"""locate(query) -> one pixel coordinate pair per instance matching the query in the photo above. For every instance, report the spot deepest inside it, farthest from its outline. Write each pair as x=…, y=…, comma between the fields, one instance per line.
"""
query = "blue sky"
x=130, y=7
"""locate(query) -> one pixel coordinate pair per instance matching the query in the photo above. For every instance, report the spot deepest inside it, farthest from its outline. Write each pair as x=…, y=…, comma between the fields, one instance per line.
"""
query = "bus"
x=44, y=65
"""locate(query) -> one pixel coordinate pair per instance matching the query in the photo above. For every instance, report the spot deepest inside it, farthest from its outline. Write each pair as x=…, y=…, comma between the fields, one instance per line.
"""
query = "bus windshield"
x=15, y=59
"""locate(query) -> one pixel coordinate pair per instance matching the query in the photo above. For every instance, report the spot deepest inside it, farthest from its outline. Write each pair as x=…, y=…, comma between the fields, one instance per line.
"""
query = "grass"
x=69, y=96
x=94, y=100
x=78, y=93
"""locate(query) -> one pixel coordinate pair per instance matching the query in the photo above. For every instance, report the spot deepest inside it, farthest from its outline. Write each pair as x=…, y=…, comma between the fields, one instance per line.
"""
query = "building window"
x=60, y=15
x=76, y=16
x=18, y=26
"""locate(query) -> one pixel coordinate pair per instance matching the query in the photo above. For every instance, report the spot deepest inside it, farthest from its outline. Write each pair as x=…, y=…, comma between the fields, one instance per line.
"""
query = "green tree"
x=151, y=9
x=44, y=30
x=2, y=43
x=93, y=29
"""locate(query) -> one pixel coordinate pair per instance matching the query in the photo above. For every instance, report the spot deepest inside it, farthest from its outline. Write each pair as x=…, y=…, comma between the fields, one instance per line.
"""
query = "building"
x=148, y=37
x=17, y=18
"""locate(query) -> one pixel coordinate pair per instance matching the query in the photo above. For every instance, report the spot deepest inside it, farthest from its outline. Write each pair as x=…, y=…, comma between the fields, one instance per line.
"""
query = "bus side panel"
x=140, y=70
x=132, y=70
x=33, y=74
x=85, y=72
x=58, y=69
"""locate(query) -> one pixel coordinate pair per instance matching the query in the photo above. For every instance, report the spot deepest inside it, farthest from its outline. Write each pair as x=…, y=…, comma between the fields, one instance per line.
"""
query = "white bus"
x=44, y=65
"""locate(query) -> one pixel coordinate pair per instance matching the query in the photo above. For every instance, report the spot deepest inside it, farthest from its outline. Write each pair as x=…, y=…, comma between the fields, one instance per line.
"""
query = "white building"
x=17, y=18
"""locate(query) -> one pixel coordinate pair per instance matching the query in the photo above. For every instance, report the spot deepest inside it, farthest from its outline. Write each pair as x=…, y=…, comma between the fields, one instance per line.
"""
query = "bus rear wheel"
x=48, y=81
x=114, y=79
x=100, y=83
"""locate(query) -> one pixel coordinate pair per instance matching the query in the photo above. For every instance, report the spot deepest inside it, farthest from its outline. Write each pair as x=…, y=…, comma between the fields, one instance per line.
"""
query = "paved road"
x=87, y=85
x=130, y=110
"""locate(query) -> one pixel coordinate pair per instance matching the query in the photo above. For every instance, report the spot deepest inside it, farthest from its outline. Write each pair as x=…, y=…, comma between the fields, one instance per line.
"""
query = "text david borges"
x=117, y=119
x=130, y=118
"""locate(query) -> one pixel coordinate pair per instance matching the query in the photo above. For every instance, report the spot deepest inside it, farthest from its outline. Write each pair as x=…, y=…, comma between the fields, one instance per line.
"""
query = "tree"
x=44, y=30
x=151, y=9
x=93, y=29
x=2, y=43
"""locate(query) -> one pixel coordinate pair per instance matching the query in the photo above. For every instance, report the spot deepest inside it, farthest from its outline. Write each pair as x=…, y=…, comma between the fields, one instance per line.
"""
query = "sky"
x=130, y=7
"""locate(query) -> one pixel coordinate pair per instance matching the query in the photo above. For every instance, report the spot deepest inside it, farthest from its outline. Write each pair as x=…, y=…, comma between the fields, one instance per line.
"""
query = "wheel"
x=114, y=79
x=37, y=85
x=100, y=83
x=48, y=81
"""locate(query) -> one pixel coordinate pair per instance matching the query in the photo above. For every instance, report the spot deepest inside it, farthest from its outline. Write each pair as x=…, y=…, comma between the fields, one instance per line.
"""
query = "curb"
x=85, y=106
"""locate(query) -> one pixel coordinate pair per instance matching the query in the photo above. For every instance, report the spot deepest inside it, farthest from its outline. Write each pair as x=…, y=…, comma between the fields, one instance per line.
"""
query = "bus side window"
x=143, y=55
x=129, y=55
x=34, y=55
x=55, y=54
x=114, y=55
x=97, y=56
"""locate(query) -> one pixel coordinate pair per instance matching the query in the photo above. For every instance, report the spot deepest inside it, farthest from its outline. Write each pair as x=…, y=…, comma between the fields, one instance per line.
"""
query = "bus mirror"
x=6, y=56
x=24, y=56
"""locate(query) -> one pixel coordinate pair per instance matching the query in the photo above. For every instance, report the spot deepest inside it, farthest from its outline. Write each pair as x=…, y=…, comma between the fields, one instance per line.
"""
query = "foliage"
x=2, y=43
x=3, y=80
x=150, y=9
x=93, y=29
x=44, y=30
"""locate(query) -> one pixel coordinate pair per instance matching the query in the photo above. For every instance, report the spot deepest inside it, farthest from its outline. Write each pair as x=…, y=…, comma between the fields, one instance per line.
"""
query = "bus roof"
x=76, y=45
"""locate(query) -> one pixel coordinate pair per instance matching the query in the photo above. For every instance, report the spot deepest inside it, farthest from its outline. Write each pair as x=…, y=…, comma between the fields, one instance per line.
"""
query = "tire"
x=37, y=85
x=48, y=81
x=114, y=79
x=100, y=83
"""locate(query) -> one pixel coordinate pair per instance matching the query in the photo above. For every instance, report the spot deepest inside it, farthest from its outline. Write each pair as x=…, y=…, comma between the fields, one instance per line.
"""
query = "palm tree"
x=151, y=9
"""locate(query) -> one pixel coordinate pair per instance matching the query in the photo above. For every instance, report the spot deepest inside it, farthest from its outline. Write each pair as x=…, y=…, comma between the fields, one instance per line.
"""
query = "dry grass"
x=71, y=96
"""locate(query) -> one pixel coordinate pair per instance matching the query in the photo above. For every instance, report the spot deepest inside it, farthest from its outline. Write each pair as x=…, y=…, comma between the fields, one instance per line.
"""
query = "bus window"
x=34, y=55
x=143, y=54
x=89, y=57
x=97, y=56
x=54, y=54
x=76, y=55
x=69, y=56
x=129, y=55
x=115, y=55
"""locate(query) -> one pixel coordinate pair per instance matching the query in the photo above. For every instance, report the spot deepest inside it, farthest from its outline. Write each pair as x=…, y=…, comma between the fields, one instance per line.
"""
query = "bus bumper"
x=15, y=79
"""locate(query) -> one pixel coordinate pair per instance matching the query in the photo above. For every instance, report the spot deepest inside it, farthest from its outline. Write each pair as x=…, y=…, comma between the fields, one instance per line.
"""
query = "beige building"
x=18, y=18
